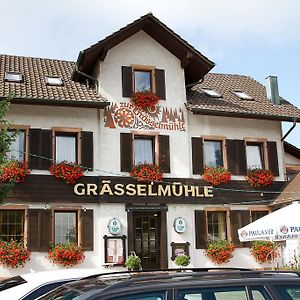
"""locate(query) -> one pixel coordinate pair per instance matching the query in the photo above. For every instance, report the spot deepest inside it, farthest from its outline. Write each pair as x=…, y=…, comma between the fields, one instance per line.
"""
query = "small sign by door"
x=179, y=225
x=114, y=226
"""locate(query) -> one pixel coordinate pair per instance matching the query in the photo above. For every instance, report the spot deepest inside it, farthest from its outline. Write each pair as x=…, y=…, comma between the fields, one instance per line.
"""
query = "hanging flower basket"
x=216, y=175
x=259, y=178
x=66, y=255
x=146, y=173
x=145, y=99
x=264, y=251
x=13, y=171
x=220, y=251
x=13, y=254
x=66, y=171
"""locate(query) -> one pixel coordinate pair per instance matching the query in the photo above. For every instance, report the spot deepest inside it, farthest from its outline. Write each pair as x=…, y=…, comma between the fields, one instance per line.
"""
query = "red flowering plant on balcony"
x=259, y=178
x=264, y=251
x=146, y=172
x=13, y=171
x=67, y=171
x=220, y=251
x=13, y=254
x=145, y=99
x=216, y=175
x=66, y=255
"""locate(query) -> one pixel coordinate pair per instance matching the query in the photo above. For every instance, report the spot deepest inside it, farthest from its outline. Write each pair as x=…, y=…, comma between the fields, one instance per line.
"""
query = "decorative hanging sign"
x=114, y=226
x=180, y=225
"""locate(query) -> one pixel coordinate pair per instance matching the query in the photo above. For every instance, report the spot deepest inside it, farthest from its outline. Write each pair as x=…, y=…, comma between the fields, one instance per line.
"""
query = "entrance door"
x=146, y=238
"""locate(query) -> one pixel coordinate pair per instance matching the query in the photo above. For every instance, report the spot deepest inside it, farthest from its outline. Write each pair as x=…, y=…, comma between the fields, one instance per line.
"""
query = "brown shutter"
x=239, y=219
x=87, y=229
x=34, y=148
x=39, y=229
x=127, y=87
x=87, y=150
x=164, y=153
x=236, y=157
x=273, y=158
x=197, y=155
x=126, y=152
x=160, y=83
x=200, y=229
x=46, y=149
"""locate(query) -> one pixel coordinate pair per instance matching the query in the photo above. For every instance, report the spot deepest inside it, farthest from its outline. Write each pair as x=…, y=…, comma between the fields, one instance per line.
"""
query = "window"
x=65, y=227
x=144, y=150
x=213, y=154
x=291, y=292
x=13, y=77
x=161, y=295
x=17, y=147
x=242, y=95
x=257, y=214
x=54, y=80
x=217, y=225
x=255, y=155
x=12, y=224
x=142, y=81
x=212, y=93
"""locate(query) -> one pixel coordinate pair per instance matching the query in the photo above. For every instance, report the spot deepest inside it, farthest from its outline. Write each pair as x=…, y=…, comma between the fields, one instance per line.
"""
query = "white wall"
x=291, y=160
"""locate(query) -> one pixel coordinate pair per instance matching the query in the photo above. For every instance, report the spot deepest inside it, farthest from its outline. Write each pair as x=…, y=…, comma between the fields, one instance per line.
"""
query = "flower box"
x=146, y=173
x=145, y=99
x=220, y=251
x=216, y=175
x=66, y=255
x=264, y=251
x=66, y=171
x=259, y=178
x=13, y=171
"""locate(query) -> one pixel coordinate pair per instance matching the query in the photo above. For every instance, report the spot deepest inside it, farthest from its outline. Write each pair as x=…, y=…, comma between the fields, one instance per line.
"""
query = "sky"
x=256, y=38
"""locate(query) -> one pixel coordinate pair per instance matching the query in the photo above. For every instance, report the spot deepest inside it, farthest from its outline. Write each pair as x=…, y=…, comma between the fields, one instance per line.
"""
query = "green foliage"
x=182, y=260
x=133, y=263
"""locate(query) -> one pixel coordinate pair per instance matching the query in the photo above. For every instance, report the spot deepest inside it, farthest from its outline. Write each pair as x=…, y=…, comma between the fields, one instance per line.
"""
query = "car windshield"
x=11, y=282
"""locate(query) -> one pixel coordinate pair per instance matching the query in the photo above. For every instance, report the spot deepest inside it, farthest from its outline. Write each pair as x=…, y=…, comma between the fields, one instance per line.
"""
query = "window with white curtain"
x=213, y=156
x=66, y=147
x=254, y=154
x=17, y=147
x=65, y=227
x=216, y=225
x=143, y=150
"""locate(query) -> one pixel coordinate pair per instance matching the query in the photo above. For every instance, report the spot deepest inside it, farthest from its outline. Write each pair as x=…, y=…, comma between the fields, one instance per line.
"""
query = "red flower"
x=144, y=99
x=13, y=171
x=220, y=251
x=216, y=175
x=66, y=255
x=69, y=172
x=147, y=173
x=259, y=178
x=264, y=251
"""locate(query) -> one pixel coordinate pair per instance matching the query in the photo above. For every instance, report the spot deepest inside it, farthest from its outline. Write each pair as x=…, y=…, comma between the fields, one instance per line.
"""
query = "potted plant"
x=66, y=255
x=146, y=173
x=220, y=251
x=264, y=251
x=13, y=254
x=182, y=260
x=216, y=175
x=145, y=99
x=67, y=171
x=259, y=178
x=133, y=263
x=13, y=171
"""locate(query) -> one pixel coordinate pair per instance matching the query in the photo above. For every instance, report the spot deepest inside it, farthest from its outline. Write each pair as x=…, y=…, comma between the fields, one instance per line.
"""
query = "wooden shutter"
x=197, y=155
x=40, y=146
x=39, y=229
x=126, y=152
x=164, y=153
x=87, y=150
x=273, y=158
x=127, y=87
x=239, y=219
x=160, y=83
x=236, y=157
x=87, y=229
x=200, y=229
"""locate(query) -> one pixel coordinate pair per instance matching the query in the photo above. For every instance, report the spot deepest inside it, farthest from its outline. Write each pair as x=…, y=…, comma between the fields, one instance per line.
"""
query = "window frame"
x=67, y=131
x=14, y=80
x=258, y=209
x=47, y=77
x=212, y=138
x=264, y=149
x=144, y=68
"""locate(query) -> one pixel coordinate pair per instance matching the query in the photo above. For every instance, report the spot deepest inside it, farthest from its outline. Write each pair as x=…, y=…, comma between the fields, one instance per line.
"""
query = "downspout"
x=289, y=131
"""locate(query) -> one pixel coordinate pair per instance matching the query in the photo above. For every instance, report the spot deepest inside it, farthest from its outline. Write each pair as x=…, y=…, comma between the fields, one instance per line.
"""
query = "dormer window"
x=13, y=77
x=242, y=95
x=142, y=80
x=54, y=80
x=212, y=93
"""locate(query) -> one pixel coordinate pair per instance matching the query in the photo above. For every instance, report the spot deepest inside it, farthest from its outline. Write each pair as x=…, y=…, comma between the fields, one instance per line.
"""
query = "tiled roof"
x=34, y=88
x=290, y=193
x=231, y=105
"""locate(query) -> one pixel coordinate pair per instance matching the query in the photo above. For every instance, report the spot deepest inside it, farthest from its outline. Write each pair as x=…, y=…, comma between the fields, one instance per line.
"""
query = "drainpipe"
x=289, y=131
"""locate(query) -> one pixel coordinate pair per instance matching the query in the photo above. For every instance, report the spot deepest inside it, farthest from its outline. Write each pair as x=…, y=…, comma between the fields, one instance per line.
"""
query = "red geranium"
x=259, y=178
x=13, y=254
x=264, y=251
x=216, y=175
x=13, y=171
x=146, y=173
x=144, y=99
x=69, y=172
x=220, y=251
x=66, y=255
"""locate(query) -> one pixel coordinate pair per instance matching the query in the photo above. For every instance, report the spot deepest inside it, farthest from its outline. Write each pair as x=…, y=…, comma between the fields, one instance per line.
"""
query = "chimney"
x=272, y=90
